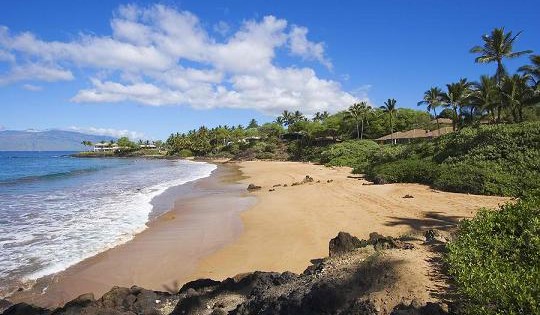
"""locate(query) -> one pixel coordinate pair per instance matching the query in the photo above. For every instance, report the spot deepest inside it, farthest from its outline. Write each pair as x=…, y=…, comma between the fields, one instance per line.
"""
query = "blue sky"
x=147, y=69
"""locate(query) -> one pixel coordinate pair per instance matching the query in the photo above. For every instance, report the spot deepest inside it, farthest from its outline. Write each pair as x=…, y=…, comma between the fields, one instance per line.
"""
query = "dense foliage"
x=495, y=260
x=355, y=154
x=490, y=160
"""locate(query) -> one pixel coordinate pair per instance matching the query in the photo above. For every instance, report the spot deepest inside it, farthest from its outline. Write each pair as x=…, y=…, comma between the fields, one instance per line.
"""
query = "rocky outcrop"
x=347, y=282
x=344, y=243
x=253, y=187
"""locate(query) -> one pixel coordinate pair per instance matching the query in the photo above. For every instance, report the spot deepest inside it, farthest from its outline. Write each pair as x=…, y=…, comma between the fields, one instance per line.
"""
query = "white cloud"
x=37, y=72
x=301, y=46
x=158, y=55
x=116, y=133
x=31, y=87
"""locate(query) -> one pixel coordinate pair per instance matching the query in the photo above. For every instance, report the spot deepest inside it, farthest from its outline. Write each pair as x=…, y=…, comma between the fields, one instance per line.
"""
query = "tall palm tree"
x=484, y=96
x=358, y=112
x=533, y=70
x=455, y=97
x=390, y=108
x=517, y=94
x=433, y=99
x=498, y=46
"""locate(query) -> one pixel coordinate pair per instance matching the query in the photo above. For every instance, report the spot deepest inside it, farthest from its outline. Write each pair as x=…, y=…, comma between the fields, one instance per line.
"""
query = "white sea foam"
x=69, y=225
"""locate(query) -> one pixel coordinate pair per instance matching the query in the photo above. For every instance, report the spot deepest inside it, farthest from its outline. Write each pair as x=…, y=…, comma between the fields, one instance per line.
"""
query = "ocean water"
x=56, y=210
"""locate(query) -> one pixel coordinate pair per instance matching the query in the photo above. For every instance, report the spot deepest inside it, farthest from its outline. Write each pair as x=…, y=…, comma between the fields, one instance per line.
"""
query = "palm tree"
x=484, y=95
x=433, y=99
x=285, y=119
x=517, y=94
x=320, y=116
x=455, y=97
x=390, y=108
x=533, y=70
x=498, y=46
x=298, y=116
x=358, y=112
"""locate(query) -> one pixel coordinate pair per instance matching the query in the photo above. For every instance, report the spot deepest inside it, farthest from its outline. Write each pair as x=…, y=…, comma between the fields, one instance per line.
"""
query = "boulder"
x=25, y=309
x=252, y=187
x=307, y=179
x=344, y=243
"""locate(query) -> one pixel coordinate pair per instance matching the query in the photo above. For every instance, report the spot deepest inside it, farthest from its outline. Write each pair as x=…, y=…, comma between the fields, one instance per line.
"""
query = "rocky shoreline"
x=358, y=277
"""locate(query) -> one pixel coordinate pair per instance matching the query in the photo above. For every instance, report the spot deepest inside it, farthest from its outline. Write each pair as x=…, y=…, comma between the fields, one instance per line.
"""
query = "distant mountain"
x=50, y=140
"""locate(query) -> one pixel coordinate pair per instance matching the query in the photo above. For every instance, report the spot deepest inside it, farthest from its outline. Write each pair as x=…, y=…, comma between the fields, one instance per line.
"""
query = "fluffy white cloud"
x=301, y=46
x=116, y=133
x=37, y=72
x=159, y=55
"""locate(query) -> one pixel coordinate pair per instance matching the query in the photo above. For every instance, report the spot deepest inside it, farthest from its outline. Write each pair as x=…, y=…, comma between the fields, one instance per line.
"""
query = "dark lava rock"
x=200, y=285
x=26, y=309
x=252, y=187
x=344, y=243
x=381, y=242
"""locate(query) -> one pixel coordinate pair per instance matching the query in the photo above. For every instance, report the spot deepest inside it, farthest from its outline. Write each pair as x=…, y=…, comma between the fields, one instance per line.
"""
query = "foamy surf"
x=65, y=221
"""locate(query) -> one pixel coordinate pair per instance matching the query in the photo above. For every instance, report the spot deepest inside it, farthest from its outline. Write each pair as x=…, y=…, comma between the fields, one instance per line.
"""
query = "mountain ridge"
x=47, y=140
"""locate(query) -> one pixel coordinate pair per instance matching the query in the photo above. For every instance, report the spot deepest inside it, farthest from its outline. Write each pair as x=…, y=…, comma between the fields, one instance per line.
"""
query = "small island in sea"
x=279, y=188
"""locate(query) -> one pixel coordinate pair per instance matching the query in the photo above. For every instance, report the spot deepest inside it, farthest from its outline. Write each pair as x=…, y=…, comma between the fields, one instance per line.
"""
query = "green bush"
x=495, y=260
x=481, y=178
x=404, y=171
x=185, y=153
x=352, y=153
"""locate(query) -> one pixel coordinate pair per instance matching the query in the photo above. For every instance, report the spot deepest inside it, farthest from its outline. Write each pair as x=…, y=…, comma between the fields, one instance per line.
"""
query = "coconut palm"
x=298, y=116
x=517, y=94
x=285, y=119
x=484, y=96
x=533, y=70
x=498, y=46
x=320, y=116
x=390, y=108
x=358, y=112
x=433, y=99
x=455, y=98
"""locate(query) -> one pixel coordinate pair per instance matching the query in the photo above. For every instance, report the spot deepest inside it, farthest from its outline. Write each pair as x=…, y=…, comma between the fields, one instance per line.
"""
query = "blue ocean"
x=56, y=210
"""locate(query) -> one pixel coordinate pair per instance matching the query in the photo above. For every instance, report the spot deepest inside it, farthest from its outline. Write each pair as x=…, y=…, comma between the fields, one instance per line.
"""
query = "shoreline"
x=196, y=216
x=281, y=229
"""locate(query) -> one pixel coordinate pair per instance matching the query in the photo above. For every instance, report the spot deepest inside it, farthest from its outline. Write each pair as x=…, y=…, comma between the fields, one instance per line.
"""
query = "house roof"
x=442, y=131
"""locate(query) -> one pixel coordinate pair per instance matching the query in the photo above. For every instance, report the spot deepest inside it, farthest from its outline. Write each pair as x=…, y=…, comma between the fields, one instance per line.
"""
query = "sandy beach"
x=292, y=225
x=222, y=230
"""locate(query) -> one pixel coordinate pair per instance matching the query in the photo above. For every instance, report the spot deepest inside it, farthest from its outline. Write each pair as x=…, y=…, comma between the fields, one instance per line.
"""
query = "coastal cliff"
x=379, y=275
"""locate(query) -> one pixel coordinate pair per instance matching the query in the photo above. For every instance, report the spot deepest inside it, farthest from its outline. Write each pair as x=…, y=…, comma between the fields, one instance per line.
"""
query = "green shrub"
x=404, y=171
x=495, y=260
x=185, y=153
x=352, y=153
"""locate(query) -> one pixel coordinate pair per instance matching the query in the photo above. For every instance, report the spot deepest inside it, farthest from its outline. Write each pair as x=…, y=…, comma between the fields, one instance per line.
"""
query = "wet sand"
x=205, y=218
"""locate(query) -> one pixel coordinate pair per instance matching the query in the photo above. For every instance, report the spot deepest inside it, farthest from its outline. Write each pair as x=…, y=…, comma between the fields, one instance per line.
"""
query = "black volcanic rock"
x=26, y=309
x=344, y=243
